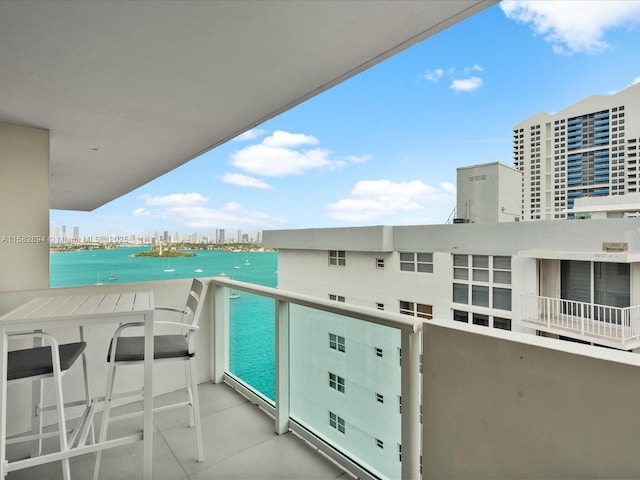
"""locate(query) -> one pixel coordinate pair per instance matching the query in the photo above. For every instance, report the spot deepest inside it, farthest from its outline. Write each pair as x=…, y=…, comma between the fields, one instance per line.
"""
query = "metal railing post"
x=410, y=388
x=282, y=367
x=220, y=309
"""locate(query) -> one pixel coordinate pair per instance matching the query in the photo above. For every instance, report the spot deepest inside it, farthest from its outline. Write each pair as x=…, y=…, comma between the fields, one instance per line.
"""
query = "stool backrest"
x=195, y=301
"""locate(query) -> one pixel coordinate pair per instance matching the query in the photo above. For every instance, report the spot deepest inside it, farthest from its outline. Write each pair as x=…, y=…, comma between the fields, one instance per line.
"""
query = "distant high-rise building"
x=589, y=149
x=76, y=232
x=55, y=234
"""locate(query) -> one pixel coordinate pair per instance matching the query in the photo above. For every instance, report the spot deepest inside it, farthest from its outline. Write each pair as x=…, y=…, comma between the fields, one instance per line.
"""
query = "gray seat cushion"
x=131, y=349
x=31, y=362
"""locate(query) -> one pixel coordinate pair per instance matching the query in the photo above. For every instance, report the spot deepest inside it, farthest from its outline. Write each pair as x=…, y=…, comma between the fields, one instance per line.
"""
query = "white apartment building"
x=589, y=149
x=572, y=280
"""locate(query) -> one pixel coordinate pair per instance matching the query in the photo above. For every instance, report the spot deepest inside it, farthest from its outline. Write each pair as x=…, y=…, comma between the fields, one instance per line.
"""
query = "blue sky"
x=383, y=147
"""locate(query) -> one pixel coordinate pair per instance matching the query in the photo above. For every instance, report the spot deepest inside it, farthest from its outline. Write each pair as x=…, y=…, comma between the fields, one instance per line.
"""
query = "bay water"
x=252, y=318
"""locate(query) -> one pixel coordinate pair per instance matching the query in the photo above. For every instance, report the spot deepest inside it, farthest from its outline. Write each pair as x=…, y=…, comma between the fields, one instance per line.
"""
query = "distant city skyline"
x=383, y=147
x=60, y=234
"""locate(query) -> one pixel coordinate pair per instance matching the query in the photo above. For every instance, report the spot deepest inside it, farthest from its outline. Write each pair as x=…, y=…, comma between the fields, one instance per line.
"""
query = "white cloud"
x=286, y=139
x=473, y=68
x=466, y=84
x=573, y=26
x=190, y=210
x=358, y=159
x=249, y=135
x=448, y=187
x=635, y=80
x=244, y=181
x=185, y=199
x=141, y=212
x=274, y=161
x=435, y=75
x=371, y=200
x=284, y=153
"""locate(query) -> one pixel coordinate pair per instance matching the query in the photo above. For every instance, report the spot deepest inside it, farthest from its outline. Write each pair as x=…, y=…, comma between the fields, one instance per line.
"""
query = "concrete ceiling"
x=131, y=90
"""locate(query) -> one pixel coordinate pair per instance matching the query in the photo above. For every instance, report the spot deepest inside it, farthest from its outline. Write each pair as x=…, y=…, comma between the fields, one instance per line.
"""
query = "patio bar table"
x=55, y=311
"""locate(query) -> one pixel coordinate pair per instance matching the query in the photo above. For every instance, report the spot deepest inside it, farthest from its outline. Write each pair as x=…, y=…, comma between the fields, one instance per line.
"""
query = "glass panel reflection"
x=345, y=385
x=252, y=341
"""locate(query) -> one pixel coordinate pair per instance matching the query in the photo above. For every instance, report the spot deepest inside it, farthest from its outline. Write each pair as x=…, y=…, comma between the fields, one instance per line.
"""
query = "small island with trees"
x=157, y=251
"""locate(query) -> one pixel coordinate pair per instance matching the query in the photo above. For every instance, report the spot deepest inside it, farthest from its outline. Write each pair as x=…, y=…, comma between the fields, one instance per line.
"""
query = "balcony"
x=459, y=373
x=610, y=326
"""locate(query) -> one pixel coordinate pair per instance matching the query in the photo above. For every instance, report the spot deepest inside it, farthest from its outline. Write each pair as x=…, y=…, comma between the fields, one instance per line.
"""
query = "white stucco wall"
x=24, y=194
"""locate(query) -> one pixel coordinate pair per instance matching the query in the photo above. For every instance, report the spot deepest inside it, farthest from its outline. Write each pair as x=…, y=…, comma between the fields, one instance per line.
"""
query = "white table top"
x=63, y=308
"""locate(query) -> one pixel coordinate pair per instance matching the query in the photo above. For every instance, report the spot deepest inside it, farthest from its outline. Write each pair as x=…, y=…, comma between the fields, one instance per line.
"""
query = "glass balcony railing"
x=345, y=385
x=252, y=341
x=345, y=378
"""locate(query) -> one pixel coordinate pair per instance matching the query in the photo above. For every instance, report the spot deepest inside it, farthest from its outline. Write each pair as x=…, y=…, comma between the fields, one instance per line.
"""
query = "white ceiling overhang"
x=131, y=90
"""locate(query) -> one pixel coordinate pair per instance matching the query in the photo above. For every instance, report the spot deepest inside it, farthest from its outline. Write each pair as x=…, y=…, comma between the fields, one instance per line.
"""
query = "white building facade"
x=519, y=276
x=589, y=149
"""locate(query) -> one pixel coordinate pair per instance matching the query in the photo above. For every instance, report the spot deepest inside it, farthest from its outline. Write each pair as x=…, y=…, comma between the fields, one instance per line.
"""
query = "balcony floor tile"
x=239, y=443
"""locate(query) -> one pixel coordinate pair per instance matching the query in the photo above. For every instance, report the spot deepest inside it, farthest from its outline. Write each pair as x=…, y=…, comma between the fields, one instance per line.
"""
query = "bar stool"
x=178, y=347
x=37, y=363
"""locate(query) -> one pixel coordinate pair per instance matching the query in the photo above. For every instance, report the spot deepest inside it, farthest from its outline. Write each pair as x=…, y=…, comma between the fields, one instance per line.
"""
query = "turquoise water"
x=252, y=319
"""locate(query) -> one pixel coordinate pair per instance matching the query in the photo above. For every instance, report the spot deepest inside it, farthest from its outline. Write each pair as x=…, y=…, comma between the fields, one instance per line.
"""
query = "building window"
x=416, y=310
x=482, y=319
x=337, y=298
x=336, y=382
x=336, y=342
x=502, y=323
x=416, y=262
x=479, y=319
x=378, y=352
x=460, y=316
x=379, y=262
x=337, y=258
x=337, y=422
x=485, y=285
x=602, y=283
x=380, y=306
x=379, y=398
x=502, y=298
x=460, y=293
x=379, y=443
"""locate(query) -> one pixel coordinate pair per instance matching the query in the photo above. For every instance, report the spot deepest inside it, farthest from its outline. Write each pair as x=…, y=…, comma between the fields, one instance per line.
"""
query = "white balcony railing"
x=611, y=326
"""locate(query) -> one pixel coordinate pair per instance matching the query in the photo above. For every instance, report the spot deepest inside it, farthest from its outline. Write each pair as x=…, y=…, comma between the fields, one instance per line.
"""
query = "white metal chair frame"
x=67, y=439
x=188, y=325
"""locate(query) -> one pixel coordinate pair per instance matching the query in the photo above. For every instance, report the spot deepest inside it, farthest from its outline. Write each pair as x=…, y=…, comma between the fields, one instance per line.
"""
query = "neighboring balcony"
x=601, y=324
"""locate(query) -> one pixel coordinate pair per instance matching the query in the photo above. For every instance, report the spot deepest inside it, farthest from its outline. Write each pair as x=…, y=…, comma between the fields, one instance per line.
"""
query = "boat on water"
x=198, y=270
x=234, y=295
x=246, y=262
